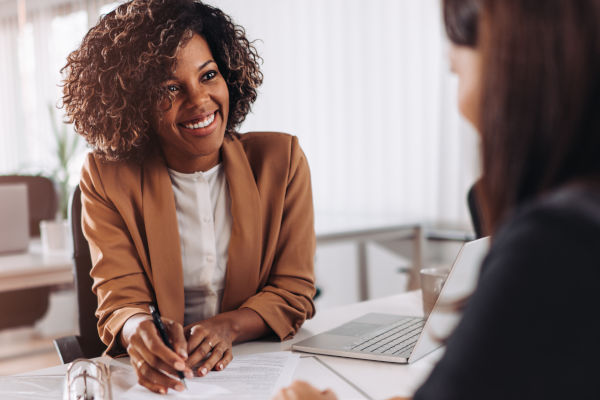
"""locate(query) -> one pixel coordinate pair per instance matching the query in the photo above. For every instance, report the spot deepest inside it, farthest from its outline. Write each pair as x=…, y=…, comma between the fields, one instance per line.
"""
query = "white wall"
x=366, y=87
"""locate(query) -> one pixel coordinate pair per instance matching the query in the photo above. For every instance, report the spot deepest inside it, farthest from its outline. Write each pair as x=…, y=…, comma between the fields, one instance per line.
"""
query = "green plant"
x=66, y=146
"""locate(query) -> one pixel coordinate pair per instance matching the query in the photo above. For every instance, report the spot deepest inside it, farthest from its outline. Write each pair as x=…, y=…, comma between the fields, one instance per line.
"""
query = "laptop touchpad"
x=354, y=329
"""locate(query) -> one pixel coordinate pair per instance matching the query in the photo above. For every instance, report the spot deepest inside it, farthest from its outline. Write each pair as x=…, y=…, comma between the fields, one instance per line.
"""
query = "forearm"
x=240, y=325
x=129, y=328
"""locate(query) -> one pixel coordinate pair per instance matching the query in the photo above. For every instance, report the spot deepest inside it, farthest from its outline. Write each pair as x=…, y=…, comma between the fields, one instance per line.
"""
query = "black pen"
x=163, y=334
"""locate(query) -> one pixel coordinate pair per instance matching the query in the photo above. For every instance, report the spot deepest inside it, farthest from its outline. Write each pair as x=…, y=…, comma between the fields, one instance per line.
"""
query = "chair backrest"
x=87, y=302
x=41, y=198
x=475, y=211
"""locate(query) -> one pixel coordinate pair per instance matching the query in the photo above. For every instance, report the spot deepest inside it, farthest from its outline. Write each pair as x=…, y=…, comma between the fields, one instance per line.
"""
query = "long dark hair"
x=540, y=113
x=461, y=21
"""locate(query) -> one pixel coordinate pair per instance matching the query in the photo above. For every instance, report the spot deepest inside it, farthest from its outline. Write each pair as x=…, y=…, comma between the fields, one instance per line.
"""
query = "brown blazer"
x=130, y=222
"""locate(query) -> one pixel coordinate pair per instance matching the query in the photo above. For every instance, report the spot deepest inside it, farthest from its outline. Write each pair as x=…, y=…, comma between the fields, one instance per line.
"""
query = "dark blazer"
x=531, y=329
x=130, y=222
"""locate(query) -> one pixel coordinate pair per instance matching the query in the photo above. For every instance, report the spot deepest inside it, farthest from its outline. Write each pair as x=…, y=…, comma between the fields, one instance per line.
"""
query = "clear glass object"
x=432, y=281
x=87, y=380
x=56, y=237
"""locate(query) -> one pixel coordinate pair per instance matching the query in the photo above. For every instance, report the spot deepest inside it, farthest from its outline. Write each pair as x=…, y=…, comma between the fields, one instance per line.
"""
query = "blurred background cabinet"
x=25, y=304
x=31, y=282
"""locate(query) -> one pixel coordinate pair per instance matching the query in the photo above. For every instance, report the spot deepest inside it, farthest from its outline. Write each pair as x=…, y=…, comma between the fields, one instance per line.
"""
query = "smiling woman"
x=180, y=210
x=191, y=126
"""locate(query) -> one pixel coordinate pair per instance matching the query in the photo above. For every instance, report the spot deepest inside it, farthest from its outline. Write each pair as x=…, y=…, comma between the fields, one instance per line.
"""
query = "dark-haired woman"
x=531, y=329
x=214, y=227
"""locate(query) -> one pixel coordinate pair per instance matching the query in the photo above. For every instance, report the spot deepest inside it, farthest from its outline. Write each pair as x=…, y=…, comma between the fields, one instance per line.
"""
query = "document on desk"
x=31, y=387
x=248, y=377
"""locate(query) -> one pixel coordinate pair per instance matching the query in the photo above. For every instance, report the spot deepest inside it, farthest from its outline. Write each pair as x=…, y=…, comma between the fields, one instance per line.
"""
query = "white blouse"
x=203, y=207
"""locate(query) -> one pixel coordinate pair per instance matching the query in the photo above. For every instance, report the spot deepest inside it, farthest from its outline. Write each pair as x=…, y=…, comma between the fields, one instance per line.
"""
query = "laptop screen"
x=461, y=282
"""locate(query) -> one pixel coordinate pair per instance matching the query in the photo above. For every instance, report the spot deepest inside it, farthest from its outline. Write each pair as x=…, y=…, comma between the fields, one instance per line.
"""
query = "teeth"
x=201, y=124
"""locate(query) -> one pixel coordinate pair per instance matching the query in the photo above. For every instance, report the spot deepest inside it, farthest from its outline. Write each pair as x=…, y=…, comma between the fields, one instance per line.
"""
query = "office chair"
x=87, y=344
x=475, y=210
x=32, y=303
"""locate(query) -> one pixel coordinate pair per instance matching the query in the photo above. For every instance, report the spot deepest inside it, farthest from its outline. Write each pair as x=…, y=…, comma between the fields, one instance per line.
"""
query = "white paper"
x=248, y=377
x=31, y=387
x=196, y=390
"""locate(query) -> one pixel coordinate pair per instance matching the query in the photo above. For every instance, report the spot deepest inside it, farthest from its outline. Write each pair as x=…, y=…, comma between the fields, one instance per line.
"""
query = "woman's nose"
x=199, y=95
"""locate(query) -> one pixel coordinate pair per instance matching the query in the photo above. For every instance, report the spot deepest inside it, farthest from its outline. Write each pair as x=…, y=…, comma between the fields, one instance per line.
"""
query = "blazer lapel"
x=245, y=244
x=162, y=233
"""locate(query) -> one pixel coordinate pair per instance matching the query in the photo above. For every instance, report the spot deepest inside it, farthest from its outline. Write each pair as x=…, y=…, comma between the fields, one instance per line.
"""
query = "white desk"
x=34, y=269
x=374, y=380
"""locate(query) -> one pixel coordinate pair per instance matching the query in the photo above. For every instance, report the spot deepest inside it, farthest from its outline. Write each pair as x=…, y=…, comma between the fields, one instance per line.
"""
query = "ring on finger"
x=139, y=364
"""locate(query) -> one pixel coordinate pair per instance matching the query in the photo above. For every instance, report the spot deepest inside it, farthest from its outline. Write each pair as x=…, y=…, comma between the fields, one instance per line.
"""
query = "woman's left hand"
x=209, y=346
x=300, y=390
x=210, y=341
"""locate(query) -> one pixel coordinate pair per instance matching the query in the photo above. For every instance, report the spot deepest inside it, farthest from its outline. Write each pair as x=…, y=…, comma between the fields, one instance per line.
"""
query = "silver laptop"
x=402, y=339
x=14, y=218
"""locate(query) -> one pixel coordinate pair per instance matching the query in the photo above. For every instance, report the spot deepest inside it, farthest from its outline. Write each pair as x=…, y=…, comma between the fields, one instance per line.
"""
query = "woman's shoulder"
x=568, y=209
x=118, y=174
x=94, y=160
x=269, y=147
x=266, y=140
x=558, y=228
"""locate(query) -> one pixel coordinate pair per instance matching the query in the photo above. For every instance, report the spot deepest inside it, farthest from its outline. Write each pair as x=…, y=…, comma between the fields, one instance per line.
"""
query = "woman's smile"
x=200, y=126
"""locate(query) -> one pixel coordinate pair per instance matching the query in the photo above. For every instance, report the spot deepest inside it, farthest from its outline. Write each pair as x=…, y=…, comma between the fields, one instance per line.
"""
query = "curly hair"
x=113, y=81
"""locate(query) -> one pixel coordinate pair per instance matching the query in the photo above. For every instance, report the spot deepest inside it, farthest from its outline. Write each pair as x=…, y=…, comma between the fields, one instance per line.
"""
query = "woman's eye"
x=173, y=88
x=210, y=75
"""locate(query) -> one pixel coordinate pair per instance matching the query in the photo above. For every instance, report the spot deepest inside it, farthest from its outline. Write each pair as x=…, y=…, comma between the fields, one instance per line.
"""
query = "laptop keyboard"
x=398, y=338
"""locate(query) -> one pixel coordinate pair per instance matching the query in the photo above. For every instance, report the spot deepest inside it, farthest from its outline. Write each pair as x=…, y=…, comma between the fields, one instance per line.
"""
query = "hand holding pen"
x=163, y=335
x=157, y=359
